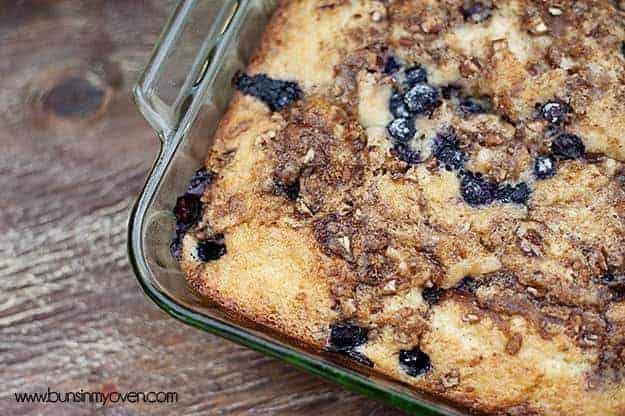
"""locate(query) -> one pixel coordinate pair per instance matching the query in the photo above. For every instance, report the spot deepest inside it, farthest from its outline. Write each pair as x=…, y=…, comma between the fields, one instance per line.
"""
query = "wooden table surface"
x=74, y=155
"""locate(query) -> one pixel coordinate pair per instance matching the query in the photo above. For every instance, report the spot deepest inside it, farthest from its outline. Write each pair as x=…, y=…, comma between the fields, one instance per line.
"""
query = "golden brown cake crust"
x=518, y=302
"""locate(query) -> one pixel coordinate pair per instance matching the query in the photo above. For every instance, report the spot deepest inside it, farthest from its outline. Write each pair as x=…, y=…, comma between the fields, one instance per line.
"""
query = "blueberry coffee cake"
x=431, y=189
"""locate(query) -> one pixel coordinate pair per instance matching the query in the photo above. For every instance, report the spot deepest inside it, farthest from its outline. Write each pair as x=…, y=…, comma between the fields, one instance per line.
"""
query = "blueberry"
x=504, y=193
x=290, y=190
x=614, y=279
x=401, y=129
x=391, y=66
x=277, y=94
x=607, y=277
x=521, y=193
x=175, y=247
x=468, y=285
x=445, y=149
x=476, y=190
x=416, y=75
x=200, y=181
x=406, y=154
x=545, y=167
x=432, y=295
x=554, y=111
x=397, y=106
x=414, y=362
x=475, y=11
x=211, y=249
x=568, y=146
x=623, y=48
x=552, y=130
x=188, y=211
x=616, y=283
x=345, y=336
x=472, y=106
x=518, y=194
x=421, y=98
x=181, y=227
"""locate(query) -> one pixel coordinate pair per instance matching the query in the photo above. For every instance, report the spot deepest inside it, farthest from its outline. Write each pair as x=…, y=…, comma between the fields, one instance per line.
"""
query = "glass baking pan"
x=183, y=92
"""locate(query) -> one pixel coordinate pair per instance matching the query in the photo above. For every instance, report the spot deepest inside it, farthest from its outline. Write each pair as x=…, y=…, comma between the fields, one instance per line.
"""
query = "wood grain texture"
x=74, y=155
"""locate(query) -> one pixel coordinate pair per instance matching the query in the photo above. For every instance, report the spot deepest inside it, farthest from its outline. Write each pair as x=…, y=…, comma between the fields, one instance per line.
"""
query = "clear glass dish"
x=183, y=93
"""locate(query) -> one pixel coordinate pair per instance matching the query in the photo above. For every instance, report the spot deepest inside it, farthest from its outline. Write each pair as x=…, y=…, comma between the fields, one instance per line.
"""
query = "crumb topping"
x=464, y=154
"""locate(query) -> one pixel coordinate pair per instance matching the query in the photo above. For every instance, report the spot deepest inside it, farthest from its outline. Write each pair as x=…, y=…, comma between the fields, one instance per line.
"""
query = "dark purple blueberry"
x=181, y=228
x=504, y=192
x=290, y=190
x=545, y=167
x=401, y=129
x=360, y=358
x=518, y=194
x=414, y=362
x=477, y=190
x=211, y=249
x=568, y=146
x=432, y=295
x=416, y=75
x=475, y=11
x=406, y=154
x=468, y=285
x=200, y=181
x=473, y=106
x=615, y=281
x=188, y=211
x=607, y=277
x=554, y=111
x=445, y=148
x=398, y=107
x=345, y=336
x=421, y=98
x=391, y=65
x=277, y=94
x=521, y=193
x=175, y=247
x=623, y=49
x=553, y=130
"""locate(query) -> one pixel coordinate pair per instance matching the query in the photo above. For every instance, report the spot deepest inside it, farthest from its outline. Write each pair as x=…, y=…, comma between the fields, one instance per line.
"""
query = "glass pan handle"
x=179, y=62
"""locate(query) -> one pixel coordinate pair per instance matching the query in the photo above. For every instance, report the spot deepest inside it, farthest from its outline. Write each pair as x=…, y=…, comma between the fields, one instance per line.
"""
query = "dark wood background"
x=74, y=153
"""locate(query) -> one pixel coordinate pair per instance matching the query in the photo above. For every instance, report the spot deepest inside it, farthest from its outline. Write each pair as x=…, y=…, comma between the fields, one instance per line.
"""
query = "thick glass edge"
x=166, y=118
x=144, y=87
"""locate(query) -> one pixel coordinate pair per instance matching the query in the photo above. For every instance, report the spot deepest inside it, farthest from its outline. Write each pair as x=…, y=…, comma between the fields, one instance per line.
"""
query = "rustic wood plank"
x=75, y=153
